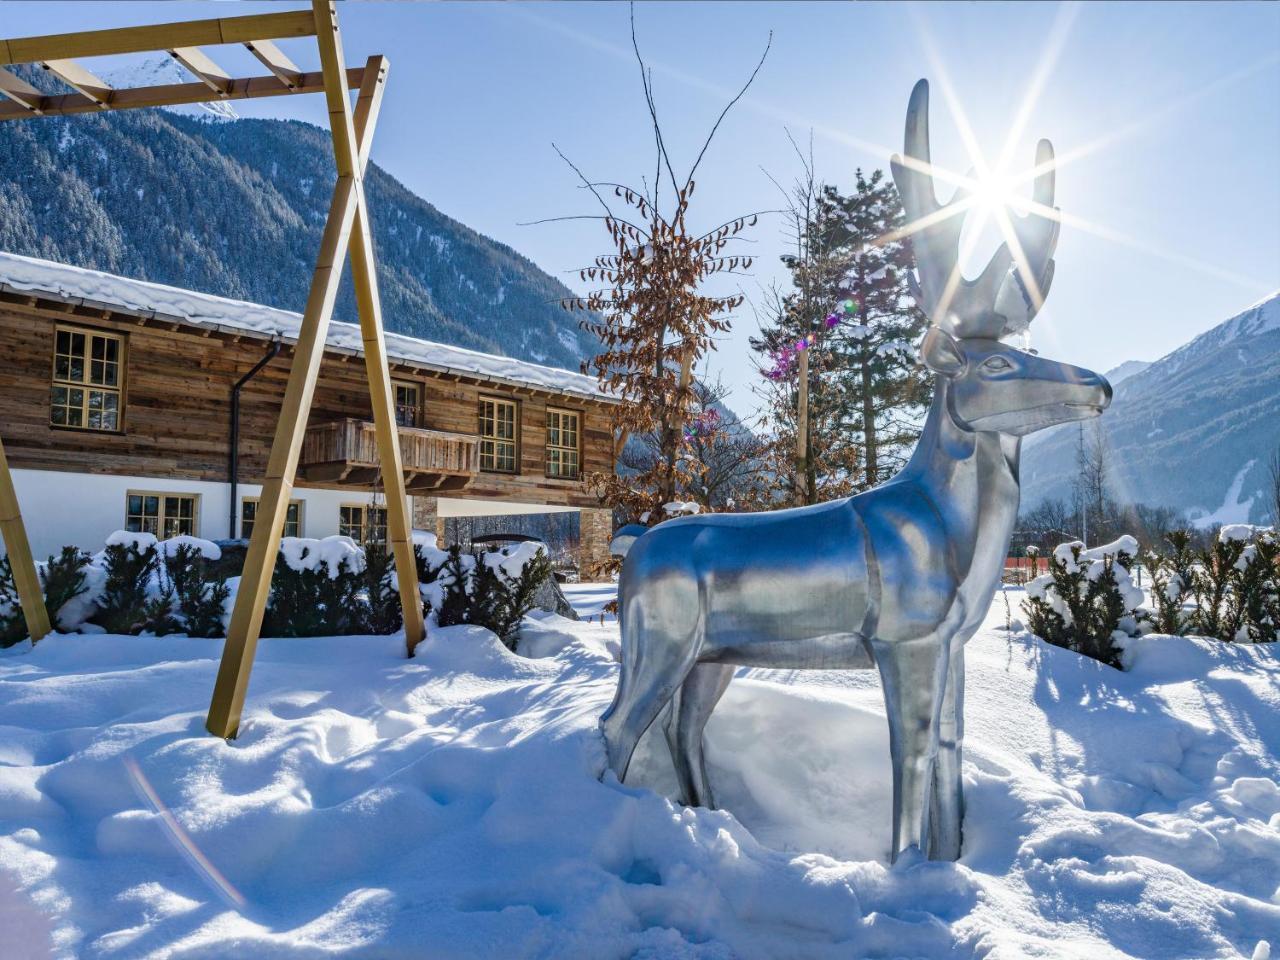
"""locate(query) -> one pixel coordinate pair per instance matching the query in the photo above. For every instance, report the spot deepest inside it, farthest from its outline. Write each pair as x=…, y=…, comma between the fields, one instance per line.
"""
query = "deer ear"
x=942, y=354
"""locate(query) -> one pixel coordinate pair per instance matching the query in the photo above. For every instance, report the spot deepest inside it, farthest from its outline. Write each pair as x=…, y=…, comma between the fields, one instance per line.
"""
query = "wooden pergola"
x=347, y=227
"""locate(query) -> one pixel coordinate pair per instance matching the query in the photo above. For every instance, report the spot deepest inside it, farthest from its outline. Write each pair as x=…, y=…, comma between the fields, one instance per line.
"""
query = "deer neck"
x=971, y=478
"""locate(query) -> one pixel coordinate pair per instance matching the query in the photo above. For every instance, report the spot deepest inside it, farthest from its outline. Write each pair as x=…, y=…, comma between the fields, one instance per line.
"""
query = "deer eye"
x=996, y=364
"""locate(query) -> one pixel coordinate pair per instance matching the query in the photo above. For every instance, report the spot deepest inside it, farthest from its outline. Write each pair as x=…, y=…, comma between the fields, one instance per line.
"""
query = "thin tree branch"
x=728, y=107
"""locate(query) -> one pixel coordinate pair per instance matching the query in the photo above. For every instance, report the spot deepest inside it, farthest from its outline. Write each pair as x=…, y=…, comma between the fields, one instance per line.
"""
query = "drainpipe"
x=233, y=457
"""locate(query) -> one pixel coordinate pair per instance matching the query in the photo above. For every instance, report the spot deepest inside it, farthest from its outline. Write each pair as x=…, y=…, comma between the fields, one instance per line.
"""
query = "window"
x=563, y=433
x=363, y=523
x=88, y=369
x=164, y=515
x=498, y=421
x=408, y=403
x=249, y=514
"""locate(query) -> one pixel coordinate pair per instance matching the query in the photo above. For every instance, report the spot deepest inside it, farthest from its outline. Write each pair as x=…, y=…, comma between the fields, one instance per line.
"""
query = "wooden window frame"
x=86, y=385
x=364, y=508
x=579, y=417
x=417, y=387
x=161, y=516
x=515, y=429
x=302, y=518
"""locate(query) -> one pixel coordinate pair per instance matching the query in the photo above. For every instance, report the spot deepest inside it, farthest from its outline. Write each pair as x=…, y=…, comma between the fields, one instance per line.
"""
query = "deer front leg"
x=690, y=709
x=913, y=674
x=947, y=818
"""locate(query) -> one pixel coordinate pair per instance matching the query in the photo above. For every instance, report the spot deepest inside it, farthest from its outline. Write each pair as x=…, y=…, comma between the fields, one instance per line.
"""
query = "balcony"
x=344, y=453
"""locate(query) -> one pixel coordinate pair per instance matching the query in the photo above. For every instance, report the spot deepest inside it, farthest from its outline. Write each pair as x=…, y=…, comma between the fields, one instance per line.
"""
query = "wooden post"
x=802, y=431
x=30, y=593
x=255, y=583
x=351, y=152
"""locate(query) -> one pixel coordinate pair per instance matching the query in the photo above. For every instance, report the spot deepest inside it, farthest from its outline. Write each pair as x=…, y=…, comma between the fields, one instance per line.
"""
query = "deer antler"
x=1010, y=291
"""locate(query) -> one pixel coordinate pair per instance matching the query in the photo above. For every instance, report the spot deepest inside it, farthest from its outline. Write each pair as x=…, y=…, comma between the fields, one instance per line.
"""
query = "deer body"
x=897, y=578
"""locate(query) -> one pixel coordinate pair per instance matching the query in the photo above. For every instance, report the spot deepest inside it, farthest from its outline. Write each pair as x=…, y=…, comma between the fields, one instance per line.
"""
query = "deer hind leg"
x=912, y=673
x=690, y=710
x=947, y=818
x=655, y=663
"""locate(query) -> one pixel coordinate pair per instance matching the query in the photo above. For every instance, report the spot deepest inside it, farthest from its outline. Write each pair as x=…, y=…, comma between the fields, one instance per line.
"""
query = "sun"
x=997, y=191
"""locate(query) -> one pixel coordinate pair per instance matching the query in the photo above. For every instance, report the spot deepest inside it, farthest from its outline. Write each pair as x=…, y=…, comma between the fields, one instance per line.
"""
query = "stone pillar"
x=426, y=516
x=596, y=530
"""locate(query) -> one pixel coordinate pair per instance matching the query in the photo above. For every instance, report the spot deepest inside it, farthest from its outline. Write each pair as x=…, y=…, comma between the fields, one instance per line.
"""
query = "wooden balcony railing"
x=345, y=453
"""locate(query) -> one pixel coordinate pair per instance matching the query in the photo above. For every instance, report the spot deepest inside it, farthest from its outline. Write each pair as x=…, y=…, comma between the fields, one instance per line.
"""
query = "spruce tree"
x=850, y=308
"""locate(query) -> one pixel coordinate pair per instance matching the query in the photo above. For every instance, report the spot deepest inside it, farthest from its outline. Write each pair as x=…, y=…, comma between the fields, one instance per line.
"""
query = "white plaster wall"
x=62, y=509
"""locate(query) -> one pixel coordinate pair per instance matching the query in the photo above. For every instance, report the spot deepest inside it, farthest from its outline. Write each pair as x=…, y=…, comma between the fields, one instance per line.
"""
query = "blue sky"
x=1173, y=108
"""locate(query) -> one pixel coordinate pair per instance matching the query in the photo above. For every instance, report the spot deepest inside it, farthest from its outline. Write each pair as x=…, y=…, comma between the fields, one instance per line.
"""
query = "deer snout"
x=1096, y=389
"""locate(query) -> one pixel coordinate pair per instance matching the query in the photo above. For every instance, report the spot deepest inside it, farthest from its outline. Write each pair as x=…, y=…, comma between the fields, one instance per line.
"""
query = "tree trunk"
x=803, y=486
x=871, y=443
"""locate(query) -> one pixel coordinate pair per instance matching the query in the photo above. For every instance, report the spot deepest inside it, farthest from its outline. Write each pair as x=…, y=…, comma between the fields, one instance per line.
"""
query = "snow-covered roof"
x=77, y=284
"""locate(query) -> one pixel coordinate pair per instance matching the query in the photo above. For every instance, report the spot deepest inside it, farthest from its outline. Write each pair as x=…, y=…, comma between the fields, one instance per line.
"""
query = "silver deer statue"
x=896, y=578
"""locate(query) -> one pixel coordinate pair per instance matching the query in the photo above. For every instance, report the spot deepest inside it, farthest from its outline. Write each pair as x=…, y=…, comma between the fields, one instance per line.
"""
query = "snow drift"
x=448, y=807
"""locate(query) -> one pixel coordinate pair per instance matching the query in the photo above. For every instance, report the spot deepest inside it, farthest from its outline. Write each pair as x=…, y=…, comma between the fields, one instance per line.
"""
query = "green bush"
x=124, y=606
x=482, y=593
x=311, y=600
x=200, y=589
x=1233, y=586
x=1083, y=601
x=62, y=579
x=383, y=613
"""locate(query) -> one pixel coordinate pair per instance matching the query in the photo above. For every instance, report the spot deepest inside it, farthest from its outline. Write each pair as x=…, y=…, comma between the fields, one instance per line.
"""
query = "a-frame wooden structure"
x=347, y=228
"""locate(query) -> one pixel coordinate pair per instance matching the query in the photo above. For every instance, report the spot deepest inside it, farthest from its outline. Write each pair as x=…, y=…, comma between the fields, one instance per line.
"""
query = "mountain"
x=236, y=208
x=1194, y=430
x=159, y=70
x=1116, y=375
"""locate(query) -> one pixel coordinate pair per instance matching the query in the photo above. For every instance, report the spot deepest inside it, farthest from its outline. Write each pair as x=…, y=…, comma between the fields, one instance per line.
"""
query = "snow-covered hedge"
x=325, y=587
x=1087, y=601
x=1230, y=591
x=494, y=589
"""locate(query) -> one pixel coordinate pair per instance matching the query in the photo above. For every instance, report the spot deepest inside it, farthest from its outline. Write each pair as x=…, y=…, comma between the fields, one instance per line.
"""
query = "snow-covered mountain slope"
x=1193, y=430
x=448, y=807
x=235, y=209
x=1117, y=375
x=155, y=71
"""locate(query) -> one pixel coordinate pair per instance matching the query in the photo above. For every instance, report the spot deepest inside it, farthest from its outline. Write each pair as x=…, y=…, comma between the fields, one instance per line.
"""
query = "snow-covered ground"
x=448, y=807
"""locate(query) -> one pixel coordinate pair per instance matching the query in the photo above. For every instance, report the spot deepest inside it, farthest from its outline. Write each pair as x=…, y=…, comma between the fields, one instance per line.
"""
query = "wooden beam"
x=80, y=79
x=282, y=466
x=200, y=66
x=245, y=88
x=160, y=36
x=25, y=578
x=273, y=58
x=369, y=306
x=20, y=92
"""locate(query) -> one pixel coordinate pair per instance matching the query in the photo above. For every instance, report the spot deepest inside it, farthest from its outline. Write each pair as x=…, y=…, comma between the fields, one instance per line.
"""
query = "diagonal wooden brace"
x=25, y=578
x=351, y=144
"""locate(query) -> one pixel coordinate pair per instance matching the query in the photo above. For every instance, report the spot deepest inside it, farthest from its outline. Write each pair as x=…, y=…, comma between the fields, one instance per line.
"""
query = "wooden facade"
x=174, y=420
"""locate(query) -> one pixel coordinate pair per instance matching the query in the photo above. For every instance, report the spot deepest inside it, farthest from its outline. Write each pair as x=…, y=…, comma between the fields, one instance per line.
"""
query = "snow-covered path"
x=448, y=807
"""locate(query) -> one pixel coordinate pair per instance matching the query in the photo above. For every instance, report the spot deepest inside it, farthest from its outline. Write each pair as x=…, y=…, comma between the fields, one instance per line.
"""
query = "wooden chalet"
x=132, y=405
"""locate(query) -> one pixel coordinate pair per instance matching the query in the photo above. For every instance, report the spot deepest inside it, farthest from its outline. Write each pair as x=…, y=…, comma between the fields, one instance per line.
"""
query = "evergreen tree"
x=850, y=310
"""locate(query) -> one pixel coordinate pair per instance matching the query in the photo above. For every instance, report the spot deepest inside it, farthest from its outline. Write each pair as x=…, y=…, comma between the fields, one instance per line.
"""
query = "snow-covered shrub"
x=64, y=582
x=383, y=598
x=199, y=590
x=130, y=562
x=1252, y=605
x=316, y=589
x=1086, y=600
x=493, y=589
x=1172, y=583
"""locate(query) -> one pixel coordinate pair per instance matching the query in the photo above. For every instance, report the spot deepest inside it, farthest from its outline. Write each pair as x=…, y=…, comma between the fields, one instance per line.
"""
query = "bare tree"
x=653, y=316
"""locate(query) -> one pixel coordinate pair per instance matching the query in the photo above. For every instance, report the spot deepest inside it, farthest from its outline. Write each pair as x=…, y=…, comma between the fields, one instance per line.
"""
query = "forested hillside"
x=236, y=209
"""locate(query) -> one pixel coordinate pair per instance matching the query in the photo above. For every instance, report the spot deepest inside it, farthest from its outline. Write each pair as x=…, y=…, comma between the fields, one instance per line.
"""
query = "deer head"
x=993, y=386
